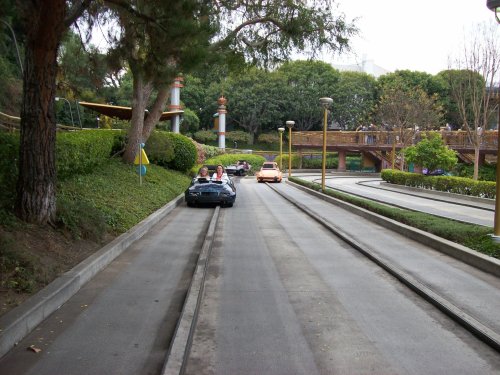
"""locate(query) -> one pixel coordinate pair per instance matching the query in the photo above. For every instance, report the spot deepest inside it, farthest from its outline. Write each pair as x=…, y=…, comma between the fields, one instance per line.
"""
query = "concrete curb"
x=486, y=334
x=20, y=321
x=181, y=343
x=462, y=253
x=393, y=187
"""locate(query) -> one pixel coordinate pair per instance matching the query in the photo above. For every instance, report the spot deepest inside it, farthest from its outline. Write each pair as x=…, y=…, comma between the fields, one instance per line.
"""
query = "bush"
x=269, y=138
x=255, y=161
x=81, y=152
x=160, y=148
x=458, y=185
x=295, y=161
x=317, y=163
x=205, y=136
x=486, y=172
x=185, y=154
x=238, y=136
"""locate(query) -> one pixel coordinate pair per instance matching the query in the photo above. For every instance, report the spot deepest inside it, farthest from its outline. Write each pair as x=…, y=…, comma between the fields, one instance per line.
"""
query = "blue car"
x=208, y=191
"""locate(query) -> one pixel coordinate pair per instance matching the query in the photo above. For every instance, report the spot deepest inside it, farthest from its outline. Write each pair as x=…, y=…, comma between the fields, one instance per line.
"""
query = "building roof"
x=123, y=113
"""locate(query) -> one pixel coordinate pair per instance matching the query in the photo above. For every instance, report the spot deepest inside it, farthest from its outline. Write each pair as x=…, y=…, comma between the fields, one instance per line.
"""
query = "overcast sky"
x=417, y=35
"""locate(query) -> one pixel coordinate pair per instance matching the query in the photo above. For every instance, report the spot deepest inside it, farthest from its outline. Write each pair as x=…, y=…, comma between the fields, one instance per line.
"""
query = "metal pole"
x=325, y=102
x=78, y=113
x=15, y=43
x=70, y=111
x=496, y=225
x=323, y=168
x=281, y=150
x=290, y=152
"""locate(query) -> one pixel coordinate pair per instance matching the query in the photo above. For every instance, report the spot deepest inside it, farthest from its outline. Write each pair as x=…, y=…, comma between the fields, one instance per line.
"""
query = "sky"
x=419, y=35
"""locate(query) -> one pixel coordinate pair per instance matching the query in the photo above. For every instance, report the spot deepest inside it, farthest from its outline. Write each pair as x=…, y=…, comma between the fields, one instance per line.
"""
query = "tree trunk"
x=36, y=184
x=476, y=161
x=156, y=111
x=140, y=98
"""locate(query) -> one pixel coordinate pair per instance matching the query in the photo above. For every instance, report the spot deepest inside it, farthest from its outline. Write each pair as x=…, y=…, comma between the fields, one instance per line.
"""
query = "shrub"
x=184, y=151
x=317, y=163
x=81, y=152
x=238, y=136
x=295, y=161
x=268, y=138
x=160, y=148
x=205, y=136
x=458, y=185
x=255, y=161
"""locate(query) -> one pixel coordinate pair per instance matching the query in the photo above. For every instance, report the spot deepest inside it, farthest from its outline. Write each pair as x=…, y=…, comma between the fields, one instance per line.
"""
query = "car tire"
x=228, y=205
x=190, y=204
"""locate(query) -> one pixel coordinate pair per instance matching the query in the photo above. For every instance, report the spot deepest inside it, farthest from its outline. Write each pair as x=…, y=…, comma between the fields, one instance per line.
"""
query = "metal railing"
x=385, y=139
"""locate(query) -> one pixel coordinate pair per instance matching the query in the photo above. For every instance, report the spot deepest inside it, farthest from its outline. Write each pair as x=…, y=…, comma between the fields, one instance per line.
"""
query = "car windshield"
x=268, y=166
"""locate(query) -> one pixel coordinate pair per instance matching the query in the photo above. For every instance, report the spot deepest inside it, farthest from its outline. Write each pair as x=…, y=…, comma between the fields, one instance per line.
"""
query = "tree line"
x=237, y=48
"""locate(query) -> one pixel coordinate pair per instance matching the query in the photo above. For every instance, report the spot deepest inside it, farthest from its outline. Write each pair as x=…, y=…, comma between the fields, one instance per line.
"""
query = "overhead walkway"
x=377, y=147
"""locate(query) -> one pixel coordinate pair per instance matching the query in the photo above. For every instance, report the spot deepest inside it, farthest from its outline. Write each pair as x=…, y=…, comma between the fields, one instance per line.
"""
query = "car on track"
x=239, y=168
x=269, y=172
x=208, y=191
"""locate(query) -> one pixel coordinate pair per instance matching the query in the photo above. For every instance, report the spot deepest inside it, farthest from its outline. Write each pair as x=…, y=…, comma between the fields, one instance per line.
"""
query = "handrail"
x=385, y=139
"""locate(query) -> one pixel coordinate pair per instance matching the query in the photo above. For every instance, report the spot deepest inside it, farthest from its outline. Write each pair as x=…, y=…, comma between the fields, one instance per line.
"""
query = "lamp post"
x=496, y=221
x=15, y=43
x=281, y=130
x=325, y=103
x=70, y=111
x=289, y=125
x=494, y=5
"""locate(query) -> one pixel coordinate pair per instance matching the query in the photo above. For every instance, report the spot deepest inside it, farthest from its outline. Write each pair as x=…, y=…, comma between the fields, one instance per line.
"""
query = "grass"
x=473, y=236
x=91, y=209
x=114, y=191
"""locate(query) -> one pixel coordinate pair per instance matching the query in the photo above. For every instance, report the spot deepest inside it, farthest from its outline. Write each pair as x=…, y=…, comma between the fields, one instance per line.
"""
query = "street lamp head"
x=290, y=124
x=281, y=130
x=494, y=5
x=326, y=102
x=57, y=98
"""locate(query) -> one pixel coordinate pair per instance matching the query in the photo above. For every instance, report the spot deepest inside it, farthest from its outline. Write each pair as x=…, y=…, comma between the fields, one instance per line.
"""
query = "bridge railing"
x=383, y=139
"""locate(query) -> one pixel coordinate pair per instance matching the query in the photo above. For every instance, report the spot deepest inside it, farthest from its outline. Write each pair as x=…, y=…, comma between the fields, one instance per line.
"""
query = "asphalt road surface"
x=283, y=295
x=454, y=208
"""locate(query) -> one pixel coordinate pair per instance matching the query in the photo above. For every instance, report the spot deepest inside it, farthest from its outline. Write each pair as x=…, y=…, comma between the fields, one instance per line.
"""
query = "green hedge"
x=83, y=151
x=255, y=161
x=160, y=148
x=185, y=153
x=458, y=185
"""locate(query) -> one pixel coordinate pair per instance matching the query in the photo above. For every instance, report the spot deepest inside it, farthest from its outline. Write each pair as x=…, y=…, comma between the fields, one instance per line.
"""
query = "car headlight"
x=193, y=193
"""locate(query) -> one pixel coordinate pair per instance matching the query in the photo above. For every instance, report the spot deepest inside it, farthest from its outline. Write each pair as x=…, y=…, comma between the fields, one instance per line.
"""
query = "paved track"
x=122, y=321
x=285, y=296
x=451, y=206
x=282, y=295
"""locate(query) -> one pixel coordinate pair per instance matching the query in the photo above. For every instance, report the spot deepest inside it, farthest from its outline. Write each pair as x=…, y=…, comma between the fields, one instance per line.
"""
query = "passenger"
x=203, y=173
x=219, y=174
